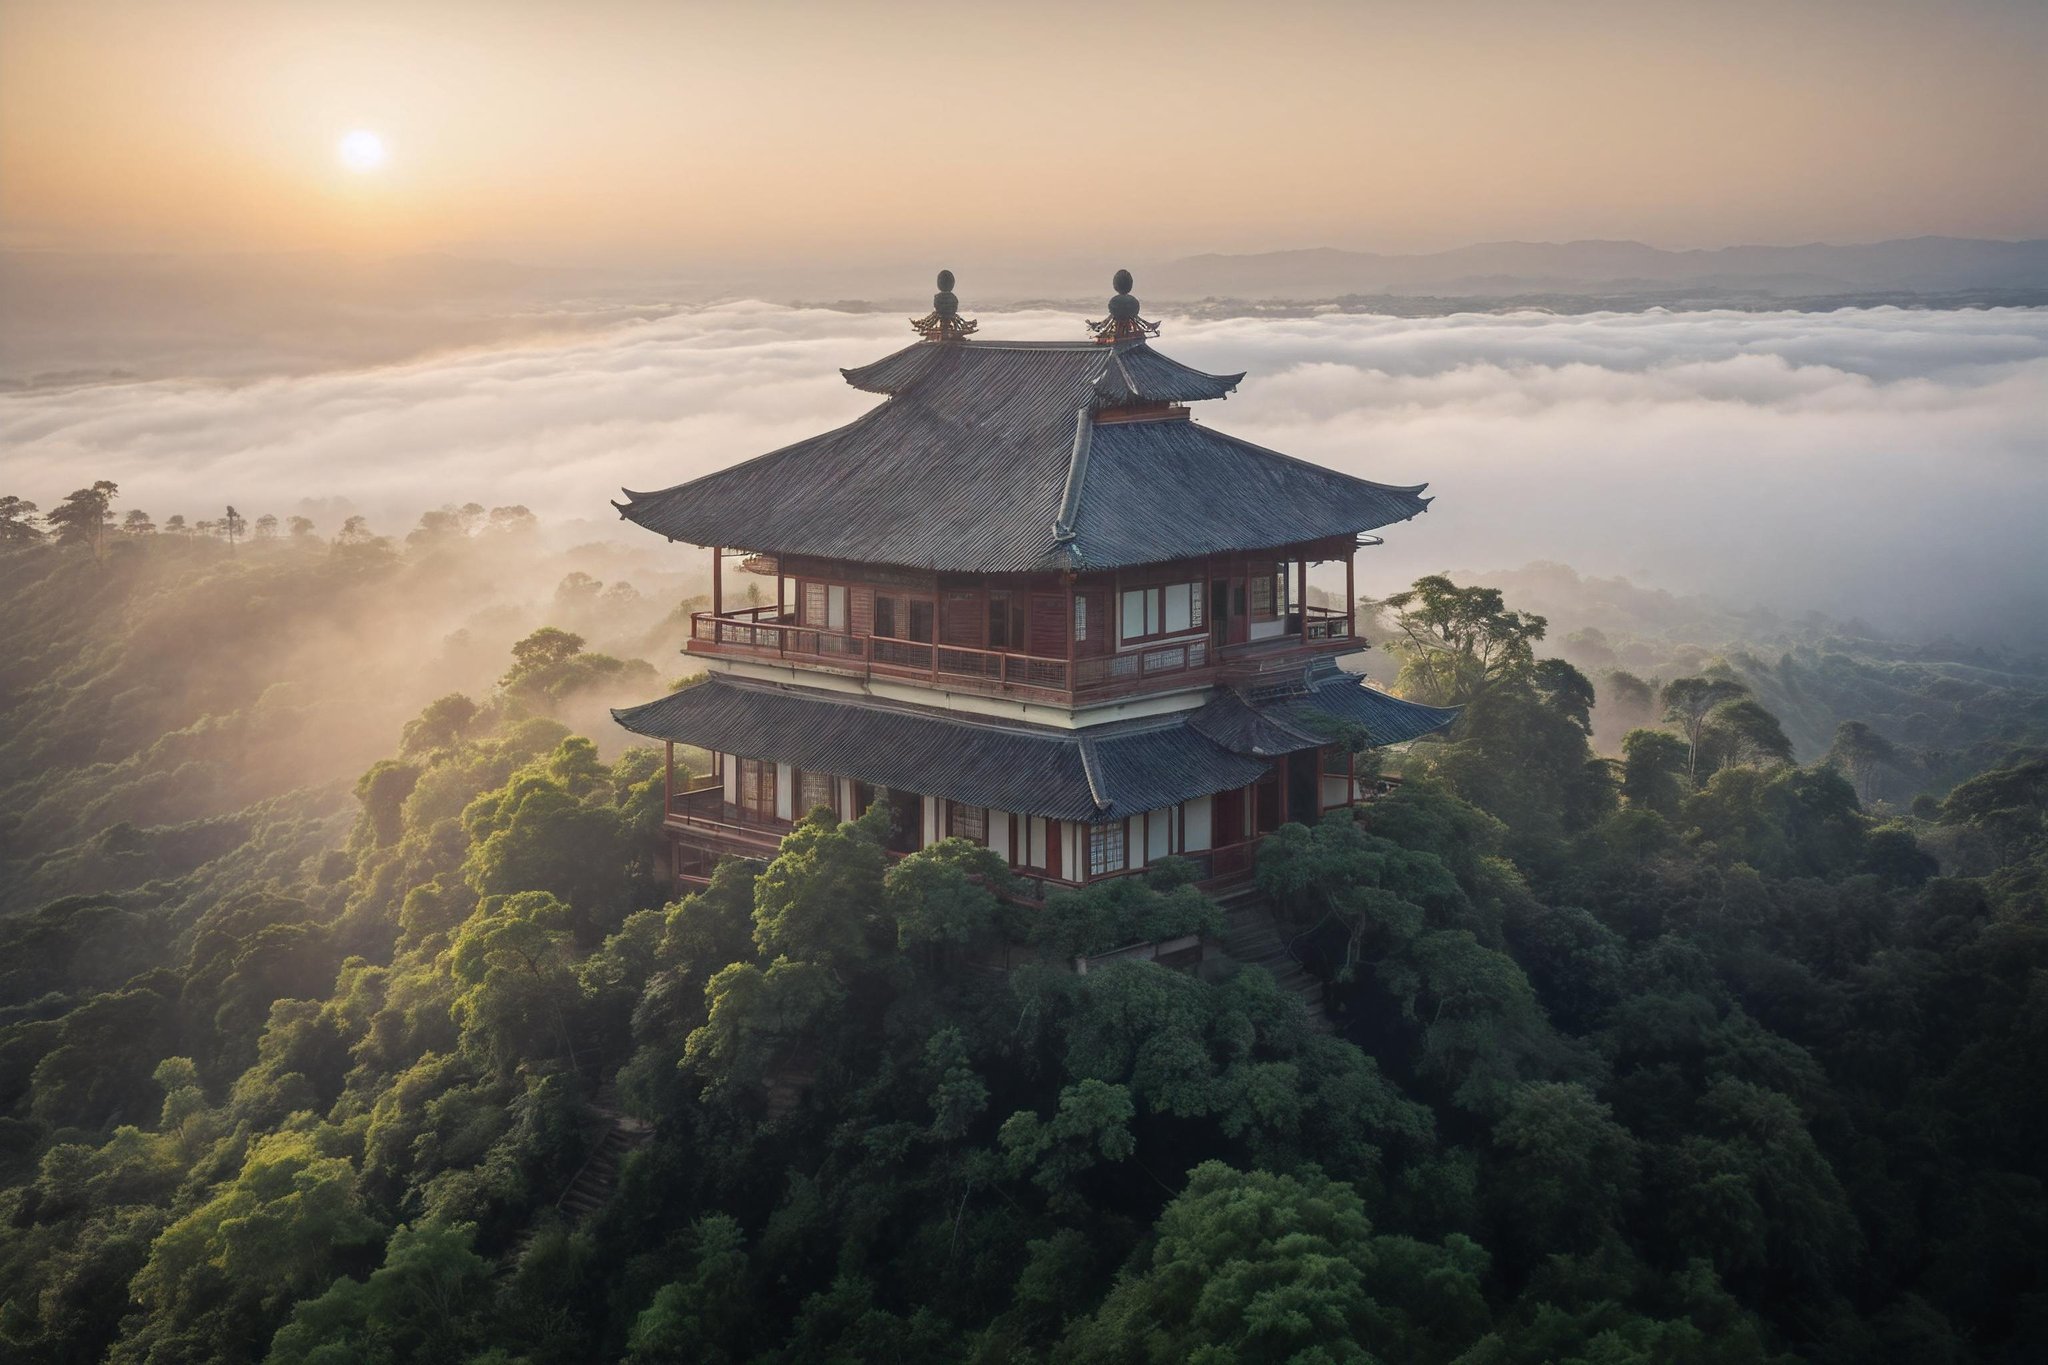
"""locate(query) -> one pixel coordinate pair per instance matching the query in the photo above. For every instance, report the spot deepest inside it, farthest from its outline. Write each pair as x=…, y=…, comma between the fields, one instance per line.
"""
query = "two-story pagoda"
x=1030, y=602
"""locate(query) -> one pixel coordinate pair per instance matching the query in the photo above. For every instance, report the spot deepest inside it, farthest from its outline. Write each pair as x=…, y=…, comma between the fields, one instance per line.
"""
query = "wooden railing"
x=764, y=632
x=1324, y=623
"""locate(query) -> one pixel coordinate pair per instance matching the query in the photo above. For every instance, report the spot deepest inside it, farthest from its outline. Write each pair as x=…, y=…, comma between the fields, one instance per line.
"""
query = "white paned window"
x=1180, y=612
x=1105, y=849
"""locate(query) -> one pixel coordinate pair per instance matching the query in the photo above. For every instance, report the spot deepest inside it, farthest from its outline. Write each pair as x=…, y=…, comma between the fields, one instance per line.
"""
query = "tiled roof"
x=967, y=466
x=1135, y=766
x=1103, y=772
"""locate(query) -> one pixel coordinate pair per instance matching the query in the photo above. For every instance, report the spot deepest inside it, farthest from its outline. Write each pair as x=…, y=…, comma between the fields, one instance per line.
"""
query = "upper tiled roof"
x=984, y=448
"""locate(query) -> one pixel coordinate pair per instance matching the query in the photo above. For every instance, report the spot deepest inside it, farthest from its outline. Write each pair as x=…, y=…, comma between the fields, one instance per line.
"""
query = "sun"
x=361, y=151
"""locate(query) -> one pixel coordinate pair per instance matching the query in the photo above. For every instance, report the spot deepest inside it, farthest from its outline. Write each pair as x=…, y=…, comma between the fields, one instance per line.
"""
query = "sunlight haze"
x=668, y=131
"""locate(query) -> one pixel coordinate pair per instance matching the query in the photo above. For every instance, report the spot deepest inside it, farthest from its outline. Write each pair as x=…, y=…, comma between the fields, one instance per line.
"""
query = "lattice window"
x=815, y=790
x=757, y=787
x=970, y=823
x=1106, y=849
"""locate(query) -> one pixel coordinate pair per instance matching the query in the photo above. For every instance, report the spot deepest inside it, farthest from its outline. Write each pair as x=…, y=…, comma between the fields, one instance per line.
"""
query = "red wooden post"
x=717, y=585
x=1070, y=635
x=1301, y=592
x=1351, y=592
x=668, y=792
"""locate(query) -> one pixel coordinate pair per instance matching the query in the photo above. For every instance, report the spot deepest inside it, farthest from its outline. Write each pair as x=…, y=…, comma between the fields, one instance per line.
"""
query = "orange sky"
x=622, y=129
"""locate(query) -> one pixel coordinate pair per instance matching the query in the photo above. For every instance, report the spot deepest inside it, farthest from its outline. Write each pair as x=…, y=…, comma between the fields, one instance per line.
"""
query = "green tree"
x=18, y=523
x=84, y=516
x=1862, y=755
x=1687, y=704
x=1456, y=643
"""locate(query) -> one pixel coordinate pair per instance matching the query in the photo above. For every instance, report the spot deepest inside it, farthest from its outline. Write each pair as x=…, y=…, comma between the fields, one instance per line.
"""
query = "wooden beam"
x=717, y=580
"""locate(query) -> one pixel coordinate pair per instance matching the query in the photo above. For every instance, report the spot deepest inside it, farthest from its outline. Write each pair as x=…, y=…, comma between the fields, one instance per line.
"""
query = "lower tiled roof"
x=1028, y=769
x=1103, y=772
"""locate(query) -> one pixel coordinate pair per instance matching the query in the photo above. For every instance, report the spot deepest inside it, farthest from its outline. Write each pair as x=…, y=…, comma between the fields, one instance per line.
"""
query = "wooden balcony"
x=766, y=633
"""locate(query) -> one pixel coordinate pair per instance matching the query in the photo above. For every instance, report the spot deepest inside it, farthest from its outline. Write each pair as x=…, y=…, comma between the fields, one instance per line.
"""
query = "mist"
x=1877, y=463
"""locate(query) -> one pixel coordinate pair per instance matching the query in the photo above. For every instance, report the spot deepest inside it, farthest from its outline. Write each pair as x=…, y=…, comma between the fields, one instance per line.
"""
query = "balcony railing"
x=766, y=632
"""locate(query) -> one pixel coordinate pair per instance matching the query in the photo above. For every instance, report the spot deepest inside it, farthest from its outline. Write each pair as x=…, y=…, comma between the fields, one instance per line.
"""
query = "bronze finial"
x=1123, y=322
x=944, y=322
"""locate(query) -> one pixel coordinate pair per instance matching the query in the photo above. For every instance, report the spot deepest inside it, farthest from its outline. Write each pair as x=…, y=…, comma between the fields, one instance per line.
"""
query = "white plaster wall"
x=844, y=787
x=1034, y=843
x=1200, y=819
x=931, y=820
x=1336, y=791
x=1158, y=833
x=785, y=791
x=1267, y=630
x=731, y=764
x=999, y=834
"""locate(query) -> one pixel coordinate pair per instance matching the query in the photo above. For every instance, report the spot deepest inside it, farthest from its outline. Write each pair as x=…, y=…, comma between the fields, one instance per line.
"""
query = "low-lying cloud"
x=1879, y=462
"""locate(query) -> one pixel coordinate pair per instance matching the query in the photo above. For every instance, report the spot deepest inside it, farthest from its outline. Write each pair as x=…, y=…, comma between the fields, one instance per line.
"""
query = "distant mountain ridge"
x=1916, y=264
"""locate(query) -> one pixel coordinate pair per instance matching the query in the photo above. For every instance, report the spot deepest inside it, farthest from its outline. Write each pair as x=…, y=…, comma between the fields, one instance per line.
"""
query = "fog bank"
x=1878, y=462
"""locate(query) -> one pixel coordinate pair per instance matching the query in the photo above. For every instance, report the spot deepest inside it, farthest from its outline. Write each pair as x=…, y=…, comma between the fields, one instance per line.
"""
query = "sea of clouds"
x=1886, y=463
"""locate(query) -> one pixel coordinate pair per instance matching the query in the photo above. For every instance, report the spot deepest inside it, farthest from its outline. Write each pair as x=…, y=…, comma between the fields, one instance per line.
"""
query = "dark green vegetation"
x=1682, y=1055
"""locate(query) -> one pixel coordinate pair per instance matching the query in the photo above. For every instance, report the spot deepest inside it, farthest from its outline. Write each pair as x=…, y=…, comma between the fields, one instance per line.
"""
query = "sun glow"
x=361, y=151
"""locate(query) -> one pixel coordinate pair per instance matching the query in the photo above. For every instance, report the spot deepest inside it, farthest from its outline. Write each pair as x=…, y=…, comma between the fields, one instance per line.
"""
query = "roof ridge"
x=1063, y=526
x=1091, y=769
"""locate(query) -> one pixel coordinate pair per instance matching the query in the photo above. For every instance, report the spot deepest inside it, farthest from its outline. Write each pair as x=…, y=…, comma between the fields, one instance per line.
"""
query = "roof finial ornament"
x=944, y=322
x=1123, y=322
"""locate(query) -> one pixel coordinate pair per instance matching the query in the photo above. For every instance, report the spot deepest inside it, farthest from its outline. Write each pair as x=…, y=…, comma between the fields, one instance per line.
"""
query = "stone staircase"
x=1253, y=935
x=619, y=1137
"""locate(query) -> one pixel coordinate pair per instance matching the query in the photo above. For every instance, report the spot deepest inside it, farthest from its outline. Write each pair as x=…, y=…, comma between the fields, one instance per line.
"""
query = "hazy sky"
x=614, y=129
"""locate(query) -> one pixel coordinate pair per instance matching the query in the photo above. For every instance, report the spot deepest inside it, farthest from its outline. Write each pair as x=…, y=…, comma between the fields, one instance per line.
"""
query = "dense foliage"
x=1678, y=1055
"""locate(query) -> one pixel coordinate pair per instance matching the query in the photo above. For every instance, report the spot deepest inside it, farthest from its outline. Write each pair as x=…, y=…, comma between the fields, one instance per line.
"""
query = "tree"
x=266, y=527
x=232, y=526
x=1258, y=1267
x=416, y=1306
x=18, y=522
x=302, y=528
x=1653, y=768
x=84, y=516
x=1741, y=731
x=176, y=526
x=1457, y=643
x=137, y=523
x=1861, y=754
x=1687, y=704
x=511, y=962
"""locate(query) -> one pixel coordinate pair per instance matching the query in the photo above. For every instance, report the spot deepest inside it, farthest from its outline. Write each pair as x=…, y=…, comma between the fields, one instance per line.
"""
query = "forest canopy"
x=1679, y=1005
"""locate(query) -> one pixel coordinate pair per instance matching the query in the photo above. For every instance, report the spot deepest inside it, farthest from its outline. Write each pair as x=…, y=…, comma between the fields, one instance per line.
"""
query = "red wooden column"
x=1070, y=635
x=668, y=792
x=1301, y=592
x=1351, y=592
x=717, y=584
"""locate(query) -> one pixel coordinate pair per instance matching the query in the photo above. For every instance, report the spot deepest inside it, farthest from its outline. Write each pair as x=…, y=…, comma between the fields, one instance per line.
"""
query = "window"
x=1005, y=620
x=1035, y=843
x=757, y=787
x=1262, y=596
x=1171, y=609
x=835, y=607
x=815, y=790
x=921, y=620
x=969, y=822
x=885, y=616
x=1080, y=618
x=1105, y=849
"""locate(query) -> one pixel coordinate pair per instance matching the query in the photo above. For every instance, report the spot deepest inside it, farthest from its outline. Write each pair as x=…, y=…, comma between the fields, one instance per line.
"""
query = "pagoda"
x=1028, y=601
